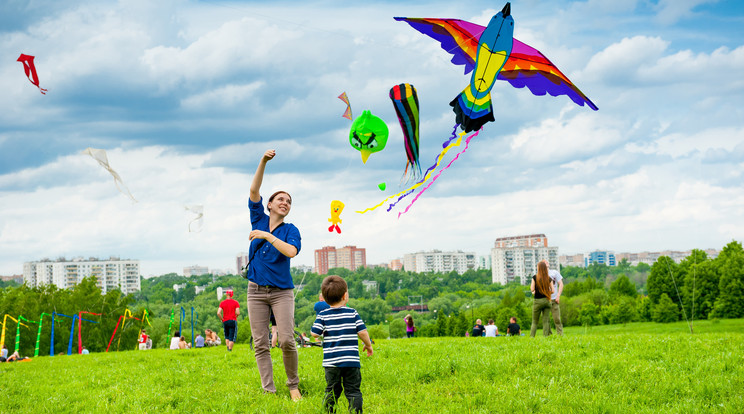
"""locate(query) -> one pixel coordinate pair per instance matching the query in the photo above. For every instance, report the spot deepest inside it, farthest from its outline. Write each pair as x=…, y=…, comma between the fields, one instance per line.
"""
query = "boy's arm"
x=317, y=329
x=364, y=336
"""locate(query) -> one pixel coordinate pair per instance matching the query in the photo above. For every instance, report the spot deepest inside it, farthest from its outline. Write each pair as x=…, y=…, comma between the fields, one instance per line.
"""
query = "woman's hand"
x=259, y=234
x=268, y=155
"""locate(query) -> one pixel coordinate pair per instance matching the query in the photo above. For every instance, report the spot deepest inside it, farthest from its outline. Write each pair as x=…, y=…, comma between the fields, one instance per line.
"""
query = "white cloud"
x=671, y=11
x=226, y=97
x=564, y=138
x=620, y=61
x=686, y=144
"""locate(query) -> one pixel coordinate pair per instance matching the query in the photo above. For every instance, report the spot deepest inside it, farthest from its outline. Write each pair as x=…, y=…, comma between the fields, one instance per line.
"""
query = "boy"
x=341, y=325
x=143, y=340
x=513, y=329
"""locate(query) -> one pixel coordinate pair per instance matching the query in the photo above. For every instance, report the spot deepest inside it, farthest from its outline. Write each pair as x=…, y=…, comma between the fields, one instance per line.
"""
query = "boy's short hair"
x=333, y=289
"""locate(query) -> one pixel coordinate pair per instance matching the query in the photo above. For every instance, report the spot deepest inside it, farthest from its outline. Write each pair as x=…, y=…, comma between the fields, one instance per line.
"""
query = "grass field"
x=640, y=367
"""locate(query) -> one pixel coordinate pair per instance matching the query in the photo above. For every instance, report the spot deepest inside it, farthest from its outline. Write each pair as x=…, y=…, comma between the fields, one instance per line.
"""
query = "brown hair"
x=409, y=320
x=333, y=289
x=542, y=281
x=280, y=192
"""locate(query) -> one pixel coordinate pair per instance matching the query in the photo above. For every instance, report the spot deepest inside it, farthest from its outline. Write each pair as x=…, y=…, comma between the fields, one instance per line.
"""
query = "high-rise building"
x=195, y=270
x=576, y=260
x=110, y=274
x=439, y=261
x=240, y=261
x=602, y=257
x=348, y=257
x=516, y=258
x=396, y=264
x=484, y=262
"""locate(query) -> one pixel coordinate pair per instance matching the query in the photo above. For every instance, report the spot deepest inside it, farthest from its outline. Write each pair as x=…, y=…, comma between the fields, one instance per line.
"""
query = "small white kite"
x=100, y=156
x=199, y=220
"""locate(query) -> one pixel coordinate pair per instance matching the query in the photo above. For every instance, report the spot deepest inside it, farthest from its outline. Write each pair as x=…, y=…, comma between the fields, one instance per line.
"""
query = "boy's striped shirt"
x=340, y=327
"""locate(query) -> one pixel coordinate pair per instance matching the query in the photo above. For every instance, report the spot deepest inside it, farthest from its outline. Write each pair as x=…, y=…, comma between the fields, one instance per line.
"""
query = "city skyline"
x=186, y=95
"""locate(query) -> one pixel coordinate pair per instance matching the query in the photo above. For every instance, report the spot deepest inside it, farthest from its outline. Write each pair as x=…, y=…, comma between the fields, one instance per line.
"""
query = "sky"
x=185, y=96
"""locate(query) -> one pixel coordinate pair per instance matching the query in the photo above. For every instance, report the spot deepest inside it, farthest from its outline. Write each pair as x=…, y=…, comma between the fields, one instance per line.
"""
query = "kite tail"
x=447, y=145
x=467, y=143
x=472, y=112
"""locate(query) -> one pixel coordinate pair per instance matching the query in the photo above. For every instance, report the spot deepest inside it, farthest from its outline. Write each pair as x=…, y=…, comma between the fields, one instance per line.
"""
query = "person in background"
x=4, y=352
x=542, y=288
x=211, y=338
x=555, y=298
x=410, y=327
x=143, y=340
x=478, y=328
x=85, y=351
x=199, y=341
x=182, y=343
x=274, y=332
x=175, y=340
x=491, y=329
x=228, y=311
x=513, y=329
x=16, y=357
x=321, y=304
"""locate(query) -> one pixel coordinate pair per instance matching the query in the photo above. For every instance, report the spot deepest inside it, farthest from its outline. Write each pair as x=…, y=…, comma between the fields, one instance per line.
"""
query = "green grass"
x=642, y=367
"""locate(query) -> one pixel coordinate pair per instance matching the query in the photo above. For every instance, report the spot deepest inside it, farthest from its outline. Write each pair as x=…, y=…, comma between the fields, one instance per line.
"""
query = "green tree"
x=589, y=314
x=395, y=298
x=700, y=290
x=441, y=304
x=663, y=279
x=461, y=325
x=623, y=265
x=643, y=308
x=372, y=311
x=666, y=310
x=624, y=312
x=398, y=328
x=441, y=324
x=730, y=264
x=622, y=286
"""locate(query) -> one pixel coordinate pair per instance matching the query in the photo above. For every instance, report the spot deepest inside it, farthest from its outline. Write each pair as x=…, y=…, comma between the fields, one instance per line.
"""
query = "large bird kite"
x=493, y=53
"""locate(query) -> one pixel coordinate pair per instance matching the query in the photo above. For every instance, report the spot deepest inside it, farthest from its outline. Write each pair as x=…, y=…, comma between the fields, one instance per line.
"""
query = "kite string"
x=437, y=159
x=467, y=142
x=678, y=295
x=692, y=310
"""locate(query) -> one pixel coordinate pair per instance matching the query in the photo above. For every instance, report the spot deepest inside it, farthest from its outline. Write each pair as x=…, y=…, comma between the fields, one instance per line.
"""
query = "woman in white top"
x=491, y=329
x=175, y=340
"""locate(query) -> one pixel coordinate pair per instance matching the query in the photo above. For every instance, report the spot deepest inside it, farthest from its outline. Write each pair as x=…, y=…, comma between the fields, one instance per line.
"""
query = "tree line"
x=697, y=288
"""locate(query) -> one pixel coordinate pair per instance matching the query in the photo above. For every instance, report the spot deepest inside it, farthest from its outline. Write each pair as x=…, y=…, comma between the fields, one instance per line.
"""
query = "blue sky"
x=185, y=96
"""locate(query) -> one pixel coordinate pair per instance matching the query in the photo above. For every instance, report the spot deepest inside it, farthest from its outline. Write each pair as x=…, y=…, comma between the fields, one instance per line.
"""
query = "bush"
x=665, y=311
x=378, y=331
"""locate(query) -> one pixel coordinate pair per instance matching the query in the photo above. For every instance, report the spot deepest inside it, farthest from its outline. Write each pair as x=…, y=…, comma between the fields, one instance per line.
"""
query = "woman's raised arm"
x=258, y=177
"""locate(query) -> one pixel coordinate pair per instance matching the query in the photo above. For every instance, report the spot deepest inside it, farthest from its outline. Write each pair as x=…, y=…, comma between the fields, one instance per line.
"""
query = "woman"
x=410, y=328
x=542, y=289
x=270, y=287
x=211, y=338
x=175, y=340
